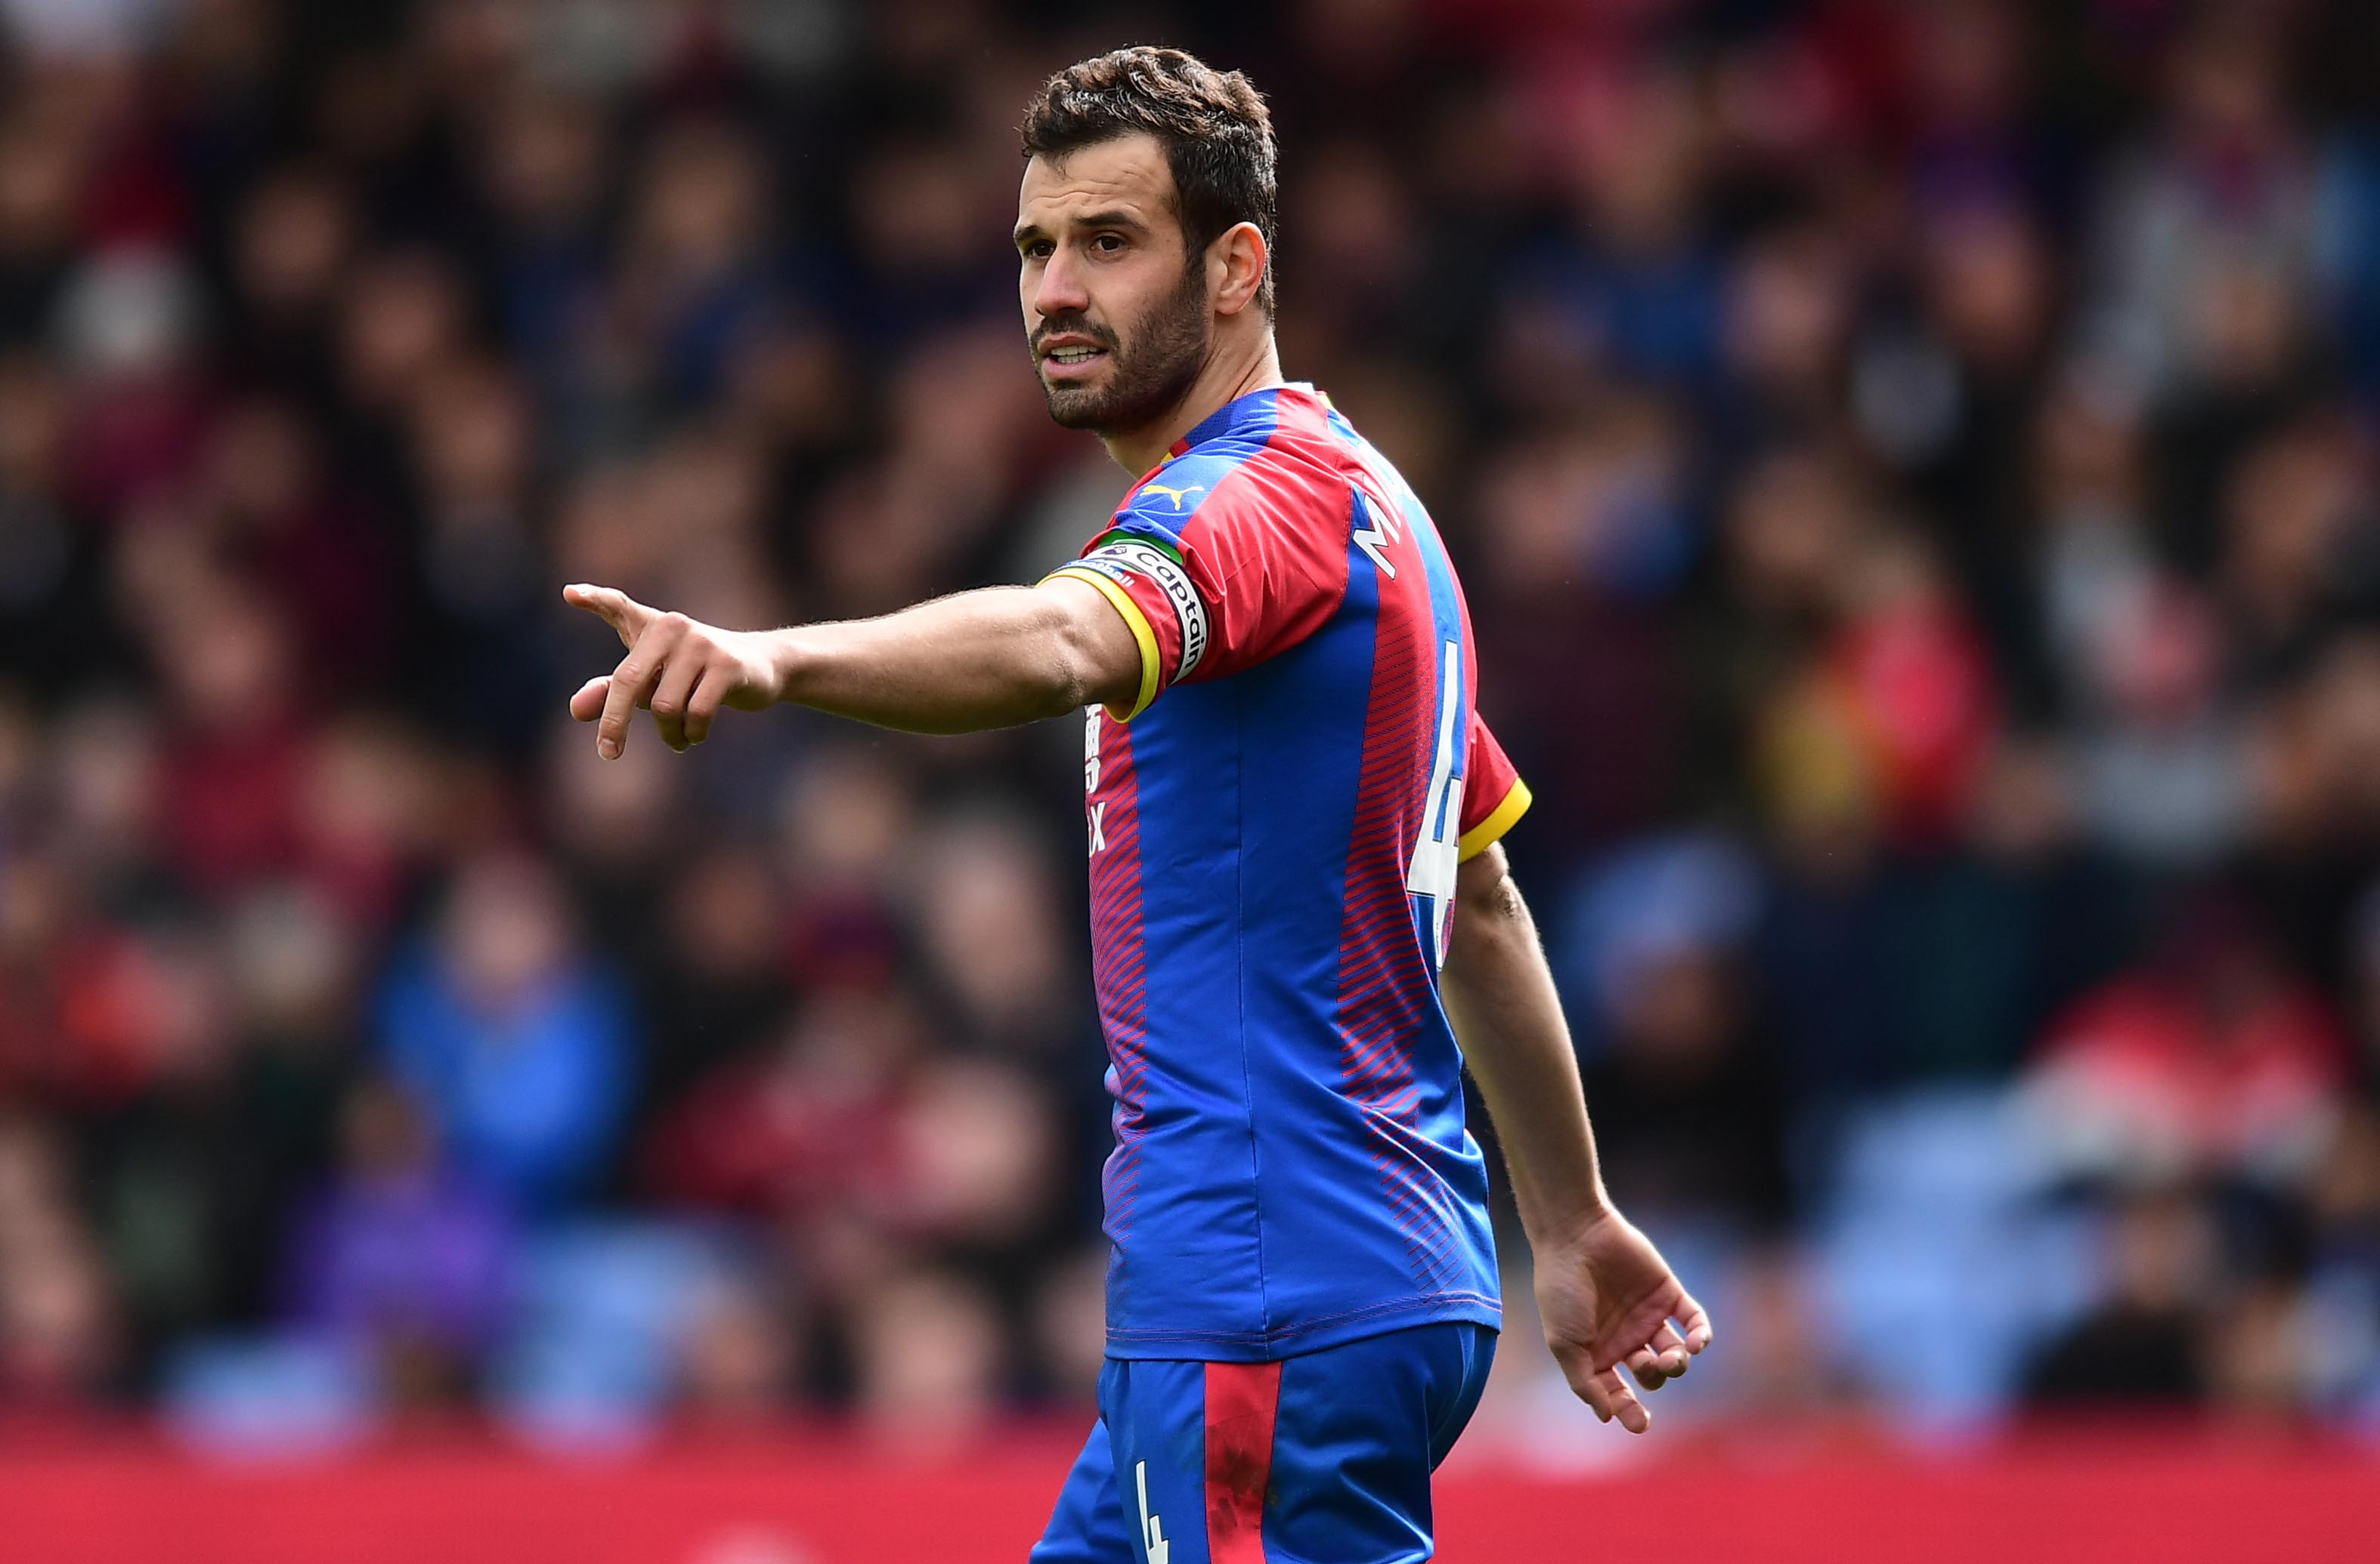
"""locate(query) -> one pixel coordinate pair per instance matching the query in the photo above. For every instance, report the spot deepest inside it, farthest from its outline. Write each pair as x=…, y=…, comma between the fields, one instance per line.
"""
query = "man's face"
x=1116, y=315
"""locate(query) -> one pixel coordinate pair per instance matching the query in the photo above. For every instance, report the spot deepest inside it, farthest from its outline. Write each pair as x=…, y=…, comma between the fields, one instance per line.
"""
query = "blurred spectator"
x=2211, y=1061
x=2207, y=226
x=988, y=912
x=398, y=1260
x=520, y=1052
x=2164, y=775
x=737, y=1362
x=928, y=1359
x=1689, y=1111
x=2140, y=1347
x=809, y=1123
x=58, y=1344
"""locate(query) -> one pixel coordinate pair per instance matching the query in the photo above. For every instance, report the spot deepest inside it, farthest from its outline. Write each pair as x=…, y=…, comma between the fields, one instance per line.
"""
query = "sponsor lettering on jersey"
x=1095, y=813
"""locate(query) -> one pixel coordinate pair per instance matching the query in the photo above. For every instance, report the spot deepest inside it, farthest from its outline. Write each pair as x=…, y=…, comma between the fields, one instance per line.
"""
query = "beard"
x=1147, y=376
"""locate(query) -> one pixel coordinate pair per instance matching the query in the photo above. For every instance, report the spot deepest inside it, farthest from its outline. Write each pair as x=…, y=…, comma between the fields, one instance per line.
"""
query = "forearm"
x=1501, y=997
x=987, y=658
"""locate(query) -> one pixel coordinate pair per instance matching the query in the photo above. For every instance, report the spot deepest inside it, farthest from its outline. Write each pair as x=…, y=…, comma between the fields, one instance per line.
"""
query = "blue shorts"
x=1323, y=1458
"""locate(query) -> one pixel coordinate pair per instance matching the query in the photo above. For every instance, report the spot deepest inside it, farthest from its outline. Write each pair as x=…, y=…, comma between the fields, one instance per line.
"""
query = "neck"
x=1228, y=376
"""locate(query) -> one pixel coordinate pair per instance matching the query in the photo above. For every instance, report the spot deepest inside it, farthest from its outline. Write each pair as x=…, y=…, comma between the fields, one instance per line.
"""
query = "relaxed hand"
x=1608, y=1298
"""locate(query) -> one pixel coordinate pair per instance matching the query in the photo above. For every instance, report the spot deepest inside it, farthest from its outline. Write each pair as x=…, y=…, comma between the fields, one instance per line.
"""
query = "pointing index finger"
x=627, y=617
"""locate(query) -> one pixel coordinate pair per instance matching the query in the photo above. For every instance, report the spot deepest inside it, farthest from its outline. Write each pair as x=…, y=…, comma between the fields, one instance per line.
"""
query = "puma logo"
x=1176, y=495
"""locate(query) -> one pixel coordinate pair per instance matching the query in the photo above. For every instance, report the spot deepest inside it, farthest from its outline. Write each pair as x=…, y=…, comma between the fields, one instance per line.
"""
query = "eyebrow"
x=1116, y=218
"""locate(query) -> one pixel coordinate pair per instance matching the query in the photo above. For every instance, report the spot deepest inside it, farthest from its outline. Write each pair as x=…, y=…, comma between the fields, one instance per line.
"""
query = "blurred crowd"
x=1912, y=463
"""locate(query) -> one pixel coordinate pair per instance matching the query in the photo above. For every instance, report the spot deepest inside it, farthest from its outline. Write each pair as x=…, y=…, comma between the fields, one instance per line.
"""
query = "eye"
x=1108, y=244
x=1037, y=249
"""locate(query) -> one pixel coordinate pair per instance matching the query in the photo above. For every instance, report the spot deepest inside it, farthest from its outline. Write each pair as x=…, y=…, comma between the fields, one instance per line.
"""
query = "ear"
x=1235, y=264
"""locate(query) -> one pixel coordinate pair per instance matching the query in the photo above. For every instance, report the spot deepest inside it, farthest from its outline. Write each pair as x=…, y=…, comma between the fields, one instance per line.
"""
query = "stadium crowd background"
x=1912, y=467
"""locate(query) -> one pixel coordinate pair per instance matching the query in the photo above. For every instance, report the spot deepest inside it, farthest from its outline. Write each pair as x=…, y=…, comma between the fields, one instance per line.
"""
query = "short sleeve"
x=1216, y=577
x=1494, y=796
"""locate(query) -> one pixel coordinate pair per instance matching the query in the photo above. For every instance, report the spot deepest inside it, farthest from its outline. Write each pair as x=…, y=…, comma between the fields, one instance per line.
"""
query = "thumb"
x=588, y=704
x=627, y=617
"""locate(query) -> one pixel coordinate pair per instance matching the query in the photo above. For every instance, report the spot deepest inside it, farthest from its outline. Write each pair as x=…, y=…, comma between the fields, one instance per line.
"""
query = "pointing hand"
x=680, y=669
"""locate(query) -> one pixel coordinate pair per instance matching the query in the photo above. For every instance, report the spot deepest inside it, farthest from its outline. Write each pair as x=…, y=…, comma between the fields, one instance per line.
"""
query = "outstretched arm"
x=987, y=658
x=1604, y=1293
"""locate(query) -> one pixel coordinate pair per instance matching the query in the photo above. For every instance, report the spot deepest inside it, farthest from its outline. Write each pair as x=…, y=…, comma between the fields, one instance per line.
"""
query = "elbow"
x=1489, y=909
x=1493, y=894
x=1485, y=891
x=1086, y=651
x=1488, y=913
x=1086, y=656
x=1067, y=679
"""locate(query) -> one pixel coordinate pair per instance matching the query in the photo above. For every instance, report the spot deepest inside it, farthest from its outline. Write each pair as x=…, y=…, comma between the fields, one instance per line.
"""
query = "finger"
x=1579, y=1369
x=632, y=685
x=588, y=704
x=1661, y=1360
x=704, y=703
x=1606, y=1393
x=1669, y=1349
x=670, y=696
x=1632, y=1414
x=1695, y=1318
x=627, y=617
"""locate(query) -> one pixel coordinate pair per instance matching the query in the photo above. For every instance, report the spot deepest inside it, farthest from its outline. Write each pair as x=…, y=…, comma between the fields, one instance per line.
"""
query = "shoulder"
x=1283, y=466
x=1221, y=495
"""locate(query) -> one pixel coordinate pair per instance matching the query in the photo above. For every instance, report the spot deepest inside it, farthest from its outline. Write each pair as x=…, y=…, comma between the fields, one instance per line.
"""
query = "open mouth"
x=1070, y=360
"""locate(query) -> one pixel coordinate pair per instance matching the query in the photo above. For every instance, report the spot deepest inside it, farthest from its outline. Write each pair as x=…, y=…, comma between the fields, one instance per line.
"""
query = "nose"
x=1060, y=289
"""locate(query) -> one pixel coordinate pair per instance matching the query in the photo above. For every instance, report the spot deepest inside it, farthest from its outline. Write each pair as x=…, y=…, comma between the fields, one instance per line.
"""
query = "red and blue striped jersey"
x=1274, y=826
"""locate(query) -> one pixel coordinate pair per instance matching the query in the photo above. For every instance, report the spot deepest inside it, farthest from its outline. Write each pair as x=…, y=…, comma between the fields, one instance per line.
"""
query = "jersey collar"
x=1238, y=413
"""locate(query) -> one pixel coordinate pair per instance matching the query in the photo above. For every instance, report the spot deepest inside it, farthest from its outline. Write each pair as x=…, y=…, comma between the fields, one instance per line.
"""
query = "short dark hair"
x=1213, y=125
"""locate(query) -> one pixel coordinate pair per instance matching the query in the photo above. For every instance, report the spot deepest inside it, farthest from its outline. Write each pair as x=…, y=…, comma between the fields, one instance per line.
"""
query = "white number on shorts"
x=1152, y=1536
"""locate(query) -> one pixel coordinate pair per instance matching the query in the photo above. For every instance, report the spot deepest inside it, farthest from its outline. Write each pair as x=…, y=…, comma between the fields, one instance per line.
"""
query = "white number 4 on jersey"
x=1438, y=852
